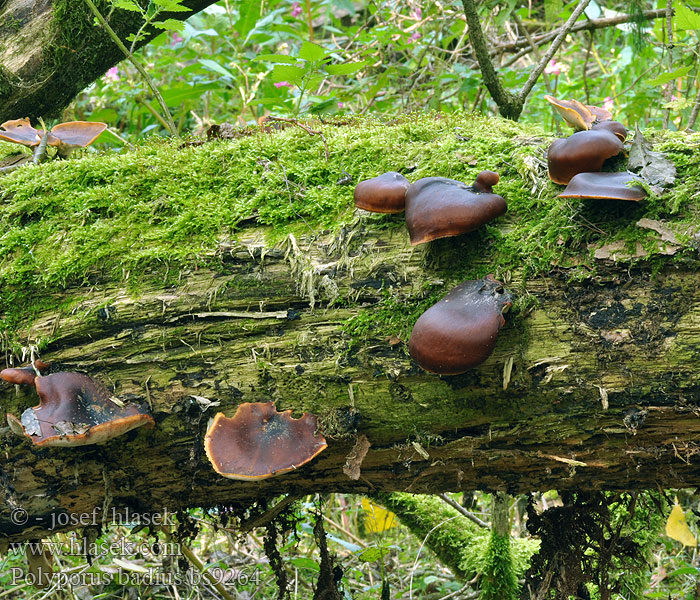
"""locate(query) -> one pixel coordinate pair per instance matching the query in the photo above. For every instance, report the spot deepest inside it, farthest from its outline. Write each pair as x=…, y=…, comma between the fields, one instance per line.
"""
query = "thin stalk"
x=170, y=124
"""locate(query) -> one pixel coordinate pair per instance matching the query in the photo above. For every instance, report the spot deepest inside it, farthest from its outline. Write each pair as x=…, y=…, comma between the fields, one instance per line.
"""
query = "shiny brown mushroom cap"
x=19, y=131
x=580, y=116
x=610, y=186
x=460, y=331
x=614, y=127
x=576, y=114
x=582, y=152
x=75, y=410
x=438, y=207
x=258, y=442
x=76, y=134
x=383, y=194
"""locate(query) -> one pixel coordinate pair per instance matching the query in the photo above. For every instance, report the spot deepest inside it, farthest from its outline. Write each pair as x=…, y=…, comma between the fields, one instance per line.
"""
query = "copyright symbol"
x=19, y=516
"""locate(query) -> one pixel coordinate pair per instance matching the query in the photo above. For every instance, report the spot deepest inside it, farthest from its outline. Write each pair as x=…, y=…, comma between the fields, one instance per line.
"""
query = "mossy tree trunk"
x=50, y=50
x=593, y=383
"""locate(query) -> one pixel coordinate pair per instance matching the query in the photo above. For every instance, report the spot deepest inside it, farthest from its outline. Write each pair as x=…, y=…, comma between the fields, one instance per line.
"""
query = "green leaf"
x=370, y=554
x=170, y=25
x=277, y=58
x=312, y=52
x=666, y=77
x=302, y=562
x=345, y=68
x=684, y=18
x=249, y=11
x=171, y=6
x=288, y=73
x=126, y=5
x=215, y=66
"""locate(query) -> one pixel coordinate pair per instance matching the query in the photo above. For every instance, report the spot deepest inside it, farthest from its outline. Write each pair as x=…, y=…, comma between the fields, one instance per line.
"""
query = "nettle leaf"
x=288, y=73
x=126, y=5
x=250, y=11
x=312, y=52
x=277, y=58
x=666, y=77
x=684, y=18
x=345, y=68
x=171, y=5
x=170, y=25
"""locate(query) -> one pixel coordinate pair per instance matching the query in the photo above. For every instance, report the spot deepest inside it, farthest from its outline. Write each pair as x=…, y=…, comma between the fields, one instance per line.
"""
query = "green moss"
x=498, y=580
x=158, y=209
x=458, y=542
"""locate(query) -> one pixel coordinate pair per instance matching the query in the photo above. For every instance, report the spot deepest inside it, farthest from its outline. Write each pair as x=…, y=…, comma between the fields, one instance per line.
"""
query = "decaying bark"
x=50, y=50
x=601, y=382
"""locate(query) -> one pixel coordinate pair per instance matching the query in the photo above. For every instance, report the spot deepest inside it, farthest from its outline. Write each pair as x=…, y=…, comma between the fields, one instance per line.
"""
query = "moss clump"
x=458, y=542
x=498, y=580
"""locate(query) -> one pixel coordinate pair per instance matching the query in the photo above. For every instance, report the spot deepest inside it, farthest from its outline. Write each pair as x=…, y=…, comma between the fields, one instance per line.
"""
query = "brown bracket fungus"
x=585, y=151
x=460, y=331
x=609, y=186
x=383, y=194
x=64, y=136
x=258, y=442
x=437, y=207
x=580, y=116
x=74, y=410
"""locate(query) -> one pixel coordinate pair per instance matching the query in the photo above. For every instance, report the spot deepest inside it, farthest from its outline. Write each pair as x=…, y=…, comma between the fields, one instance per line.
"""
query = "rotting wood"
x=630, y=332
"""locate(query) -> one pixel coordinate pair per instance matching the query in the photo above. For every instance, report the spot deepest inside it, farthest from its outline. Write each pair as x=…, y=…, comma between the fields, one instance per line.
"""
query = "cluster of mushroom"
x=75, y=410
x=65, y=137
x=576, y=161
x=460, y=331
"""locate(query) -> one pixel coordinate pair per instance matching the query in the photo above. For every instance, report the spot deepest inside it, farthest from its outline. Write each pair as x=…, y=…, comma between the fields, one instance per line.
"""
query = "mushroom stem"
x=40, y=150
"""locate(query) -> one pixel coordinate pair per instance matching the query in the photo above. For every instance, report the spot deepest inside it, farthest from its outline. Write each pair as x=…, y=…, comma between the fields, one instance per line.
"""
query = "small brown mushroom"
x=610, y=186
x=438, y=207
x=584, y=152
x=580, y=116
x=74, y=410
x=19, y=131
x=383, y=194
x=460, y=331
x=258, y=442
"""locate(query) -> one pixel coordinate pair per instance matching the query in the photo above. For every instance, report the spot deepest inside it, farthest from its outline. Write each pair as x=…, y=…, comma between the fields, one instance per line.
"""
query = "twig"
x=147, y=78
x=268, y=515
x=305, y=128
x=668, y=95
x=535, y=49
x=539, y=40
x=463, y=511
x=40, y=152
x=563, y=32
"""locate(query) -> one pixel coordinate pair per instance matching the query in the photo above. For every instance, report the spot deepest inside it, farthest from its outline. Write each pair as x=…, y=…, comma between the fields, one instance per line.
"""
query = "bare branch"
x=563, y=32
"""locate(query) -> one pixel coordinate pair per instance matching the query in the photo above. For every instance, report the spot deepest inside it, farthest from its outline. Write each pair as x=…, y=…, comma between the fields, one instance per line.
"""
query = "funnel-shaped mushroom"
x=383, y=194
x=579, y=116
x=64, y=136
x=584, y=152
x=437, y=207
x=74, y=410
x=609, y=186
x=460, y=331
x=258, y=442
x=23, y=375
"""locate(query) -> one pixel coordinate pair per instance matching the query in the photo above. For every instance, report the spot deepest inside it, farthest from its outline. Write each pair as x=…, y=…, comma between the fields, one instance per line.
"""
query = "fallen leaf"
x=677, y=527
x=377, y=519
x=656, y=169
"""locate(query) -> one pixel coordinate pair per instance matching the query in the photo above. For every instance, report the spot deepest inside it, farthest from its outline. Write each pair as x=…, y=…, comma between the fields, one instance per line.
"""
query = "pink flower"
x=112, y=74
x=280, y=84
x=553, y=68
x=340, y=105
x=176, y=39
x=417, y=14
x=608, y=104
x=296, y=10
x=414, y=38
